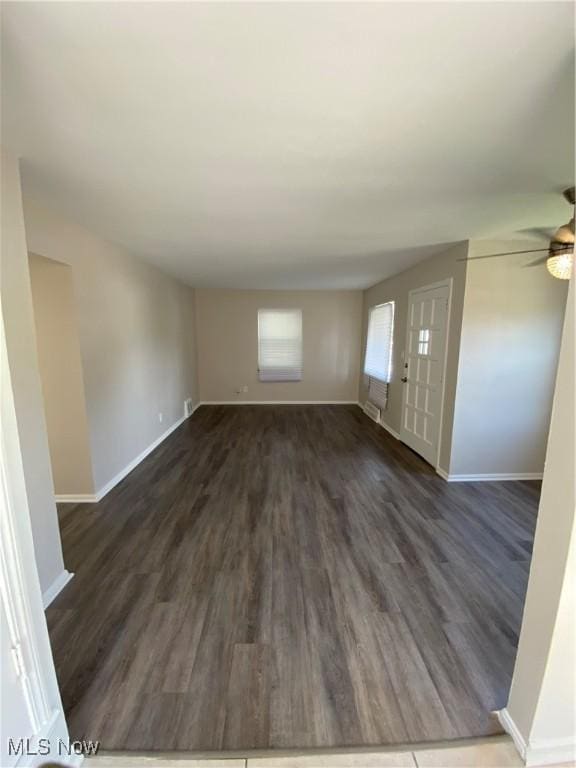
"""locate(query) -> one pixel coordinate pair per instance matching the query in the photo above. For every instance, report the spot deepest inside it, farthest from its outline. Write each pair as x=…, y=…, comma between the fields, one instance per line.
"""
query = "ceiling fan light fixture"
x=565, y=234
x=560, y=264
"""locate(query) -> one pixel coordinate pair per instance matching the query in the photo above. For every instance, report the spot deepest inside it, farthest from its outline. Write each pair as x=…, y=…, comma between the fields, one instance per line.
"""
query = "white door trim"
x=14, y=589
x=448, y=282
x=20, y=588
x=14, y=598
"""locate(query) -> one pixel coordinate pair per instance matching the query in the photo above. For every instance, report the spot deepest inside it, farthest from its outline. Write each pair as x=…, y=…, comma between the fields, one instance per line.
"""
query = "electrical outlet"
x=245, y=388
x=160, y=417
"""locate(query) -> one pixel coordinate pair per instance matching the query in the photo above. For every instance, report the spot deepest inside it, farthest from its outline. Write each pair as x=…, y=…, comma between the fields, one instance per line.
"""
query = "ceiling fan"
x=559, y=257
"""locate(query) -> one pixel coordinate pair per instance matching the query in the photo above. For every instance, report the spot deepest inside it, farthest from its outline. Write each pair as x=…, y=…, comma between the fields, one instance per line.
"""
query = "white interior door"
x=423, y=373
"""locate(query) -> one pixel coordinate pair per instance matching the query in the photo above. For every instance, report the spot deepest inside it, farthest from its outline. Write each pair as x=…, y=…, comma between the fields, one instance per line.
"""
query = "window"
x=280, y=344
x=378, y=361
x=423, y=341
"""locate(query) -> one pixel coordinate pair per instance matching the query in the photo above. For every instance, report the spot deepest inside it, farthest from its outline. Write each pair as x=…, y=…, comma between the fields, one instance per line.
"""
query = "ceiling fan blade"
x=507, y=253
x=537, y=262
x=544, y=233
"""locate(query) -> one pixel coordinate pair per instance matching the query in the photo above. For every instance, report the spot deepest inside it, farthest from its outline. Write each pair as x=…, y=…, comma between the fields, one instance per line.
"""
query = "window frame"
x=371, y=373
x=272, y=374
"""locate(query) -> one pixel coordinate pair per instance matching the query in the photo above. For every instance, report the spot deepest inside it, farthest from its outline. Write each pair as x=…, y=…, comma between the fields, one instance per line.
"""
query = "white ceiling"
x=292, y=145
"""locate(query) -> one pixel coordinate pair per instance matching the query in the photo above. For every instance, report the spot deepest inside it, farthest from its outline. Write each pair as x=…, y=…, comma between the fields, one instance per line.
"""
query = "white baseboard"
x=141, y=456
x=385, y=426
x=511, y=729
x=56, y=587
x=79, y=498
x=278, y=402
x=389, y=429
x=551, y=752
x=494, y=478
x=94, y=498
x=541, y=752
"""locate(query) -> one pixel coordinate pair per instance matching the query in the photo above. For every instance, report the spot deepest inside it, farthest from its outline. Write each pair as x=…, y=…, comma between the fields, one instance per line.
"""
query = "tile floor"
x=495, y=753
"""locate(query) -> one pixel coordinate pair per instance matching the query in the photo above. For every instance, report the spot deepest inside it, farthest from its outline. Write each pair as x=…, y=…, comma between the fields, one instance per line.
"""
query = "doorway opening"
x=60, y=368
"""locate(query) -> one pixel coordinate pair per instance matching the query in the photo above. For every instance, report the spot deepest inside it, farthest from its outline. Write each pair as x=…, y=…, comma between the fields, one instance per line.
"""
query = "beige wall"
x=511, y=331
x=542, y=702
x=228, y=345
x=18, y=319
x=60, y=366
x=435, y=269
x=137, y=339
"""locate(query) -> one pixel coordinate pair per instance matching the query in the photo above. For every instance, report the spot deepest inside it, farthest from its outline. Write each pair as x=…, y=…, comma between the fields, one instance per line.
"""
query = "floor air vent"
x=371, y=410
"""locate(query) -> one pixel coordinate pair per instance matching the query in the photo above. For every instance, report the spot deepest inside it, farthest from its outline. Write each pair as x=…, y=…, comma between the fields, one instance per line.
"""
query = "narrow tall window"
x=280, y=344
x=378, y=361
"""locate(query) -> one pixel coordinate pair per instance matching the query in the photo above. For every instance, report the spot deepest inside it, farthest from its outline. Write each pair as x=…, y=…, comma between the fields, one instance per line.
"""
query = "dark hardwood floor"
x=289, y=576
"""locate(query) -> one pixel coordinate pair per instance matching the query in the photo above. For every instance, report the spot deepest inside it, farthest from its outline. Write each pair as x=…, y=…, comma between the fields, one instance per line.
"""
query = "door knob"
x=404, y=379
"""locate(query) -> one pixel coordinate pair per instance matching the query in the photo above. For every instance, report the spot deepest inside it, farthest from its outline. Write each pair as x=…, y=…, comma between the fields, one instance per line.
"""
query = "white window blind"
x=280, y=344
x=378, y=361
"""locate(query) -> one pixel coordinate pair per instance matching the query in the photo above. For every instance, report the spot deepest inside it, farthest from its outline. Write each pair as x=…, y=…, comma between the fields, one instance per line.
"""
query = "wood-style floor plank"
x=290, y=577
